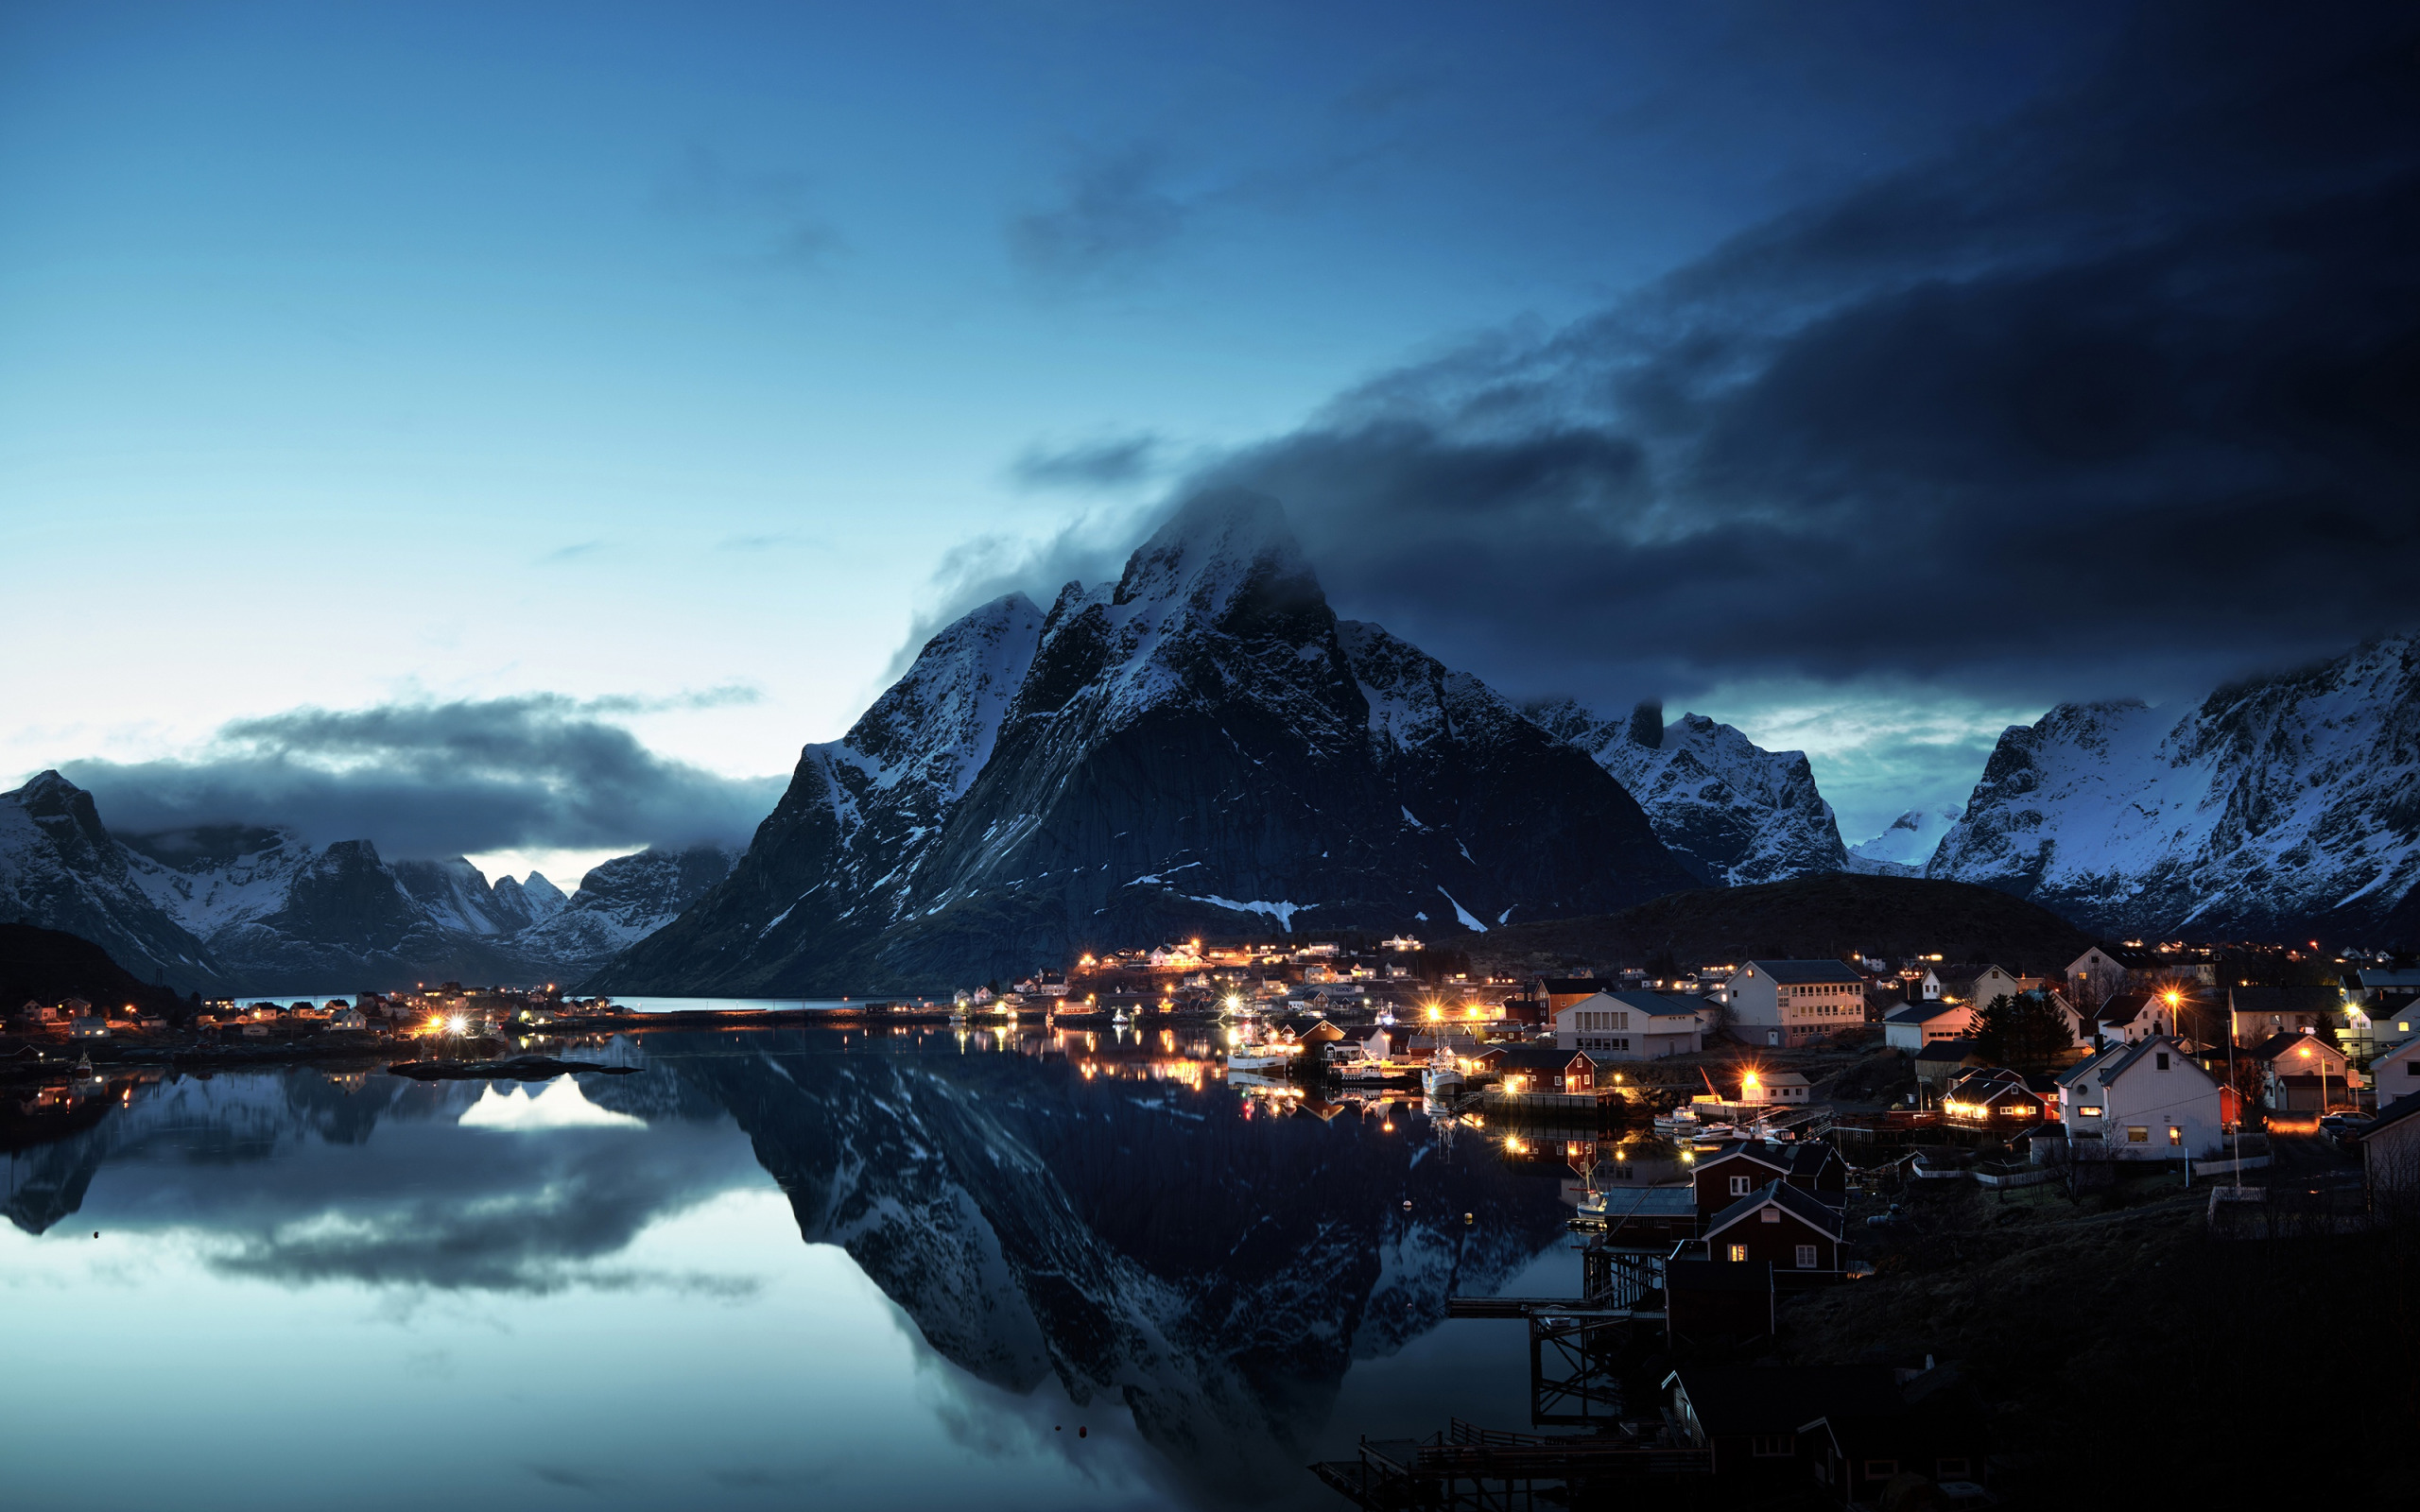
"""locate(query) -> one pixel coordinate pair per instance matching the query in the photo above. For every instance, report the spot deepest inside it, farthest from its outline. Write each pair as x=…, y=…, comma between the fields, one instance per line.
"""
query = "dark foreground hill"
x=48, y=965
x=1805, y=918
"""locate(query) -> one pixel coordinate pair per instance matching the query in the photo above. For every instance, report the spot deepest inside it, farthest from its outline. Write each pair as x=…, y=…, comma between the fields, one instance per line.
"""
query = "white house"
x=92, y=1028
x=1974, y=986
x=1775, y=1087
x=2146, y=1101
x=1787, y=1003
x=2396, y=1073
x=1631, y=1025
x=1919, y=1024
x=347, y=1018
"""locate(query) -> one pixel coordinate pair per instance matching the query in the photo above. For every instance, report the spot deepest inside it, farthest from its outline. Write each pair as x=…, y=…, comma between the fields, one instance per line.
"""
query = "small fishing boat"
x=1262, y=1057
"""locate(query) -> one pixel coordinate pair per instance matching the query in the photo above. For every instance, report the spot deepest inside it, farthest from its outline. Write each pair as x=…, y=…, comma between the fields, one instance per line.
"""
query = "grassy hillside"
x=1806, y=918
x=47, y=964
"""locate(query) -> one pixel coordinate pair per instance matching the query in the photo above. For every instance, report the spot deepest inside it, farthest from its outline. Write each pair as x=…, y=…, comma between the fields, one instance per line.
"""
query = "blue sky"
x=696, y=356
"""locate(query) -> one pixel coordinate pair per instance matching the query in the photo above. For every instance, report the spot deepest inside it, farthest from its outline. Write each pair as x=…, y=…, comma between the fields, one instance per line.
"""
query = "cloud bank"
x=2121, y=395
x=536, y=772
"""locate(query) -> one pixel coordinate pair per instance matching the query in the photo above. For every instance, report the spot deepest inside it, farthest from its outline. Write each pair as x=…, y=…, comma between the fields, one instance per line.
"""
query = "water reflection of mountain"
x=1139, y=1240
x=1142, y=1242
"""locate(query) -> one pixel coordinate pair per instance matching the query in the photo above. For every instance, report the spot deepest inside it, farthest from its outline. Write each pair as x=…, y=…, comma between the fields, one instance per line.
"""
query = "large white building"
x=1789, y=1002
x=2147, y=1101
x=1631, y=1025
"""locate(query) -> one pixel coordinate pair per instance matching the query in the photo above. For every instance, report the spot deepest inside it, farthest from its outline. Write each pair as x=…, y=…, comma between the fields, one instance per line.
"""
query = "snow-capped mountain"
x=1731, y=811
x=248, y=909
x=1198, y=745
x=621, y=902
x=2275, y=806
x=1905, y=844
x=60, y=870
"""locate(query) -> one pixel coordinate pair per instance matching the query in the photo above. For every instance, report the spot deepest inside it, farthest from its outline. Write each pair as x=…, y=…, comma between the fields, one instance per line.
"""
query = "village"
x=1744, y=1150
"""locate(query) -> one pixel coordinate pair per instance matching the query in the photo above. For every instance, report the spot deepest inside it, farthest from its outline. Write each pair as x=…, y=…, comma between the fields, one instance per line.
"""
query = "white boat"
x=1440, y=1078
x=1118, y=1017
x=1261, y=1057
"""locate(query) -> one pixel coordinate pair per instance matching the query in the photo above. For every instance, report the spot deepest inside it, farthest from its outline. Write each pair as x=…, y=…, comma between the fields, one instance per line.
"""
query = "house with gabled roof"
x=1789, y=1002
x=2146, y=1101
x=1923, y=1023
x=1732, y=1170
x=2389, y=1147
x=2396, y=1073
x=2254, y=1013
x=2302, y=1073
x=1631, y=1026
x=1794, y=1231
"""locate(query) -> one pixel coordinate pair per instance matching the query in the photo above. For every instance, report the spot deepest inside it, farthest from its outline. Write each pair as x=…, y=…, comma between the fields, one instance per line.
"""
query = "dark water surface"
x=772, y=1268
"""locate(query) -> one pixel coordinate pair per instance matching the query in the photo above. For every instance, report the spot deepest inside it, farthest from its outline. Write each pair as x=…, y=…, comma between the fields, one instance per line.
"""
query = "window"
x=2175, y=1134
x=2137, y=1134
x=1770, y=1215
x=1881, y=1469
x=1739, y=1186
x=2160, y=1058
x=2087, y=1112
x=1806, y=1257
x=1738, y=1254
x=1769, y=1446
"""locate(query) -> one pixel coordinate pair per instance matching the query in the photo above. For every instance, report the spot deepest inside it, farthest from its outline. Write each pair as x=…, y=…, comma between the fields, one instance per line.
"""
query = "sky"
x=514, y=430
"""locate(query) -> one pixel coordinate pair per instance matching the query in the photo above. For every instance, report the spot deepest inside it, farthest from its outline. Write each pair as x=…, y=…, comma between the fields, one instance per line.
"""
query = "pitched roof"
x=2286, y=1042
x=1650, y=1202
x=2303, y=999
x=2124, y=1007
x=1534, y=1058
x=2393, y=1113
x=1951, y=1050
x=1561, y=985
x=1925, y=1012
x=1659, y=1004
x=1794, y=973
x=1809, y=1157
x=1757, y=1150
x=1807, y=1210
x=2123, y=1059
x=2369, y=978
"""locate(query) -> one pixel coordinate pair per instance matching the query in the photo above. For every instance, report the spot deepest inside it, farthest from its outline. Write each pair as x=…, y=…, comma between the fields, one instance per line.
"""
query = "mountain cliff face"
x=1199, y=747
x=2273, y=807
x=620, y=902
x=60, y=869
x=1732, y=811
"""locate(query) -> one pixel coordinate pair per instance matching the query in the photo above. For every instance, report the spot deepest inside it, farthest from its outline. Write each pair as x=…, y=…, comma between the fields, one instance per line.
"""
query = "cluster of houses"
x=78, y=1020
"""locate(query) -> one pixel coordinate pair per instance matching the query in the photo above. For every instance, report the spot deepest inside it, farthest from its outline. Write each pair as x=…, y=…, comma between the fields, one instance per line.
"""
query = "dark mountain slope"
x=1809, y=917
x=1200, y=748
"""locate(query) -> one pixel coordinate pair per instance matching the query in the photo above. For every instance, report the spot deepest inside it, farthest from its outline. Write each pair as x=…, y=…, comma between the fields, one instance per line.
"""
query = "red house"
x=1791, y=1231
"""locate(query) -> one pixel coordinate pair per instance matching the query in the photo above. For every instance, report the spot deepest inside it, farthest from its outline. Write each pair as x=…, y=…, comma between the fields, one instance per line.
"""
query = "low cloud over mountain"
x=531, y=772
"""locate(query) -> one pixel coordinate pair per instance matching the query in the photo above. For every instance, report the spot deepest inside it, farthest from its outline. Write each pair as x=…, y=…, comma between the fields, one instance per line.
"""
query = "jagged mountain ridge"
x=1200, y=744
x=2273, y=807
x=243, y=909
x=60, y=870
x=1732, y=811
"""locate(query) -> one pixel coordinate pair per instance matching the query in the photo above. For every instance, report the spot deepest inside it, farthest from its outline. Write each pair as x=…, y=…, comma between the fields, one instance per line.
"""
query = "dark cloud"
x=2125, y=389
x=1111, y=215
x=541, y=771
x=1115, y=463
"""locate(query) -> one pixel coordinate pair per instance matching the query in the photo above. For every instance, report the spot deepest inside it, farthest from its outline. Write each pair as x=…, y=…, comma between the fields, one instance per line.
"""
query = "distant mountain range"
x=237, y=909
x=2275, y=807
x=1204, y=747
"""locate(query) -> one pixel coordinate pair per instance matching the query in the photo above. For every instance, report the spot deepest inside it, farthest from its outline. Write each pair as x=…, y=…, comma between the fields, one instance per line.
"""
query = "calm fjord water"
x=771, y=1268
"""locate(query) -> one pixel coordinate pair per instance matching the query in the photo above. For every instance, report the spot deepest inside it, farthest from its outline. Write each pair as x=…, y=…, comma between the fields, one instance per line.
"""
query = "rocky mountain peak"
x=1647, y=725
x=1219, y=548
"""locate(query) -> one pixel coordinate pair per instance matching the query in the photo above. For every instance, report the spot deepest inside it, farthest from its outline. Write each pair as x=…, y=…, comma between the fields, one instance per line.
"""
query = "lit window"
x=2137, y=1134
x=1806, y=1257
x=1770, y=1215
x=1738, y=1254
x=2175, y=1134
